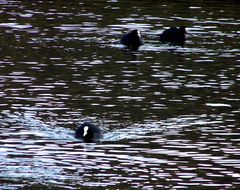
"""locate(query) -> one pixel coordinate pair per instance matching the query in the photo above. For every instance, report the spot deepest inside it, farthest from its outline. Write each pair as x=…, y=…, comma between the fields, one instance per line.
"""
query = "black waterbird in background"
x=174, y=36
x=132, y=40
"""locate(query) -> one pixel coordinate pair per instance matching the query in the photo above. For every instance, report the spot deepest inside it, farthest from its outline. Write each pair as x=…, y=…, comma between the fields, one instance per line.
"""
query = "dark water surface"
x=170, y=115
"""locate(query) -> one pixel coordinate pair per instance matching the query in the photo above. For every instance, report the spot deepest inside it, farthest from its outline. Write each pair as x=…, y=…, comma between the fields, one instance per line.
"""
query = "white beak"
x=85, y=130
x=139, y=35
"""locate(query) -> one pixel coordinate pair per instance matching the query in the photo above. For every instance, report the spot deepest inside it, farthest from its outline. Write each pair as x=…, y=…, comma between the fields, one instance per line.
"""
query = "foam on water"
x=39, y=129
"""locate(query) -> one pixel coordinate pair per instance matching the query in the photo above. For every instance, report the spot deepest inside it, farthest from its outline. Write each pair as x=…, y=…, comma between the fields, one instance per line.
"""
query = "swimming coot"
x=174, y=36
x=88, y=132
x=132, y=40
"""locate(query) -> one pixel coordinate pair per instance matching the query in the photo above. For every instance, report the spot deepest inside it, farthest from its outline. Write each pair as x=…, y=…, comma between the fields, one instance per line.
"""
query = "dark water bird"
x=132, y=40
x=174, y=36
x=88, y=133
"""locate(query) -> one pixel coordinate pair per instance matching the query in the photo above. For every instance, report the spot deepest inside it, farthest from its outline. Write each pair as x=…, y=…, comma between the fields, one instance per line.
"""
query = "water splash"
x=34, y=127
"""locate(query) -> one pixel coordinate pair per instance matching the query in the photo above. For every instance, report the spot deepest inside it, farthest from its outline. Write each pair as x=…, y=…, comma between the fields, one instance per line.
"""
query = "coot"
x=88, y=132
x=174, y=36
x=132, y=40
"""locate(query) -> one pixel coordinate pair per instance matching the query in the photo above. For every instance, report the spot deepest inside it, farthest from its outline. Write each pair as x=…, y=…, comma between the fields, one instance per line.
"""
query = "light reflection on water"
x=169, y=114
x=151, y=153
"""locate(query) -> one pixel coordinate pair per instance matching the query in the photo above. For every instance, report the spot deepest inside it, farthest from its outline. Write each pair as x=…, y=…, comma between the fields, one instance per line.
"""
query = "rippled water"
x=170, y=115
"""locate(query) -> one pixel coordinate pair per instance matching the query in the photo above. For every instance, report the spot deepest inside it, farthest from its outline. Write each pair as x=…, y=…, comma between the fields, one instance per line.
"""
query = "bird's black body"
x=88, y=133
x=174, y=36
x=132, y=40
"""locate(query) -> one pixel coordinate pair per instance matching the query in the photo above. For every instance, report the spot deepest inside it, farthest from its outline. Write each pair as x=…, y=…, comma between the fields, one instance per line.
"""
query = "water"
x=170, y=115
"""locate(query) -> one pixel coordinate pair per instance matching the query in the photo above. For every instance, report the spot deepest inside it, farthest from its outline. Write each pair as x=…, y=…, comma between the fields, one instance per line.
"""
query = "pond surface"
x=170, y=115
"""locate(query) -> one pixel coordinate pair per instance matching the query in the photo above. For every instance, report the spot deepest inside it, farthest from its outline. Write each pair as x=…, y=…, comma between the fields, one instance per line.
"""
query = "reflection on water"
x=152, y=155
x=169, y=114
